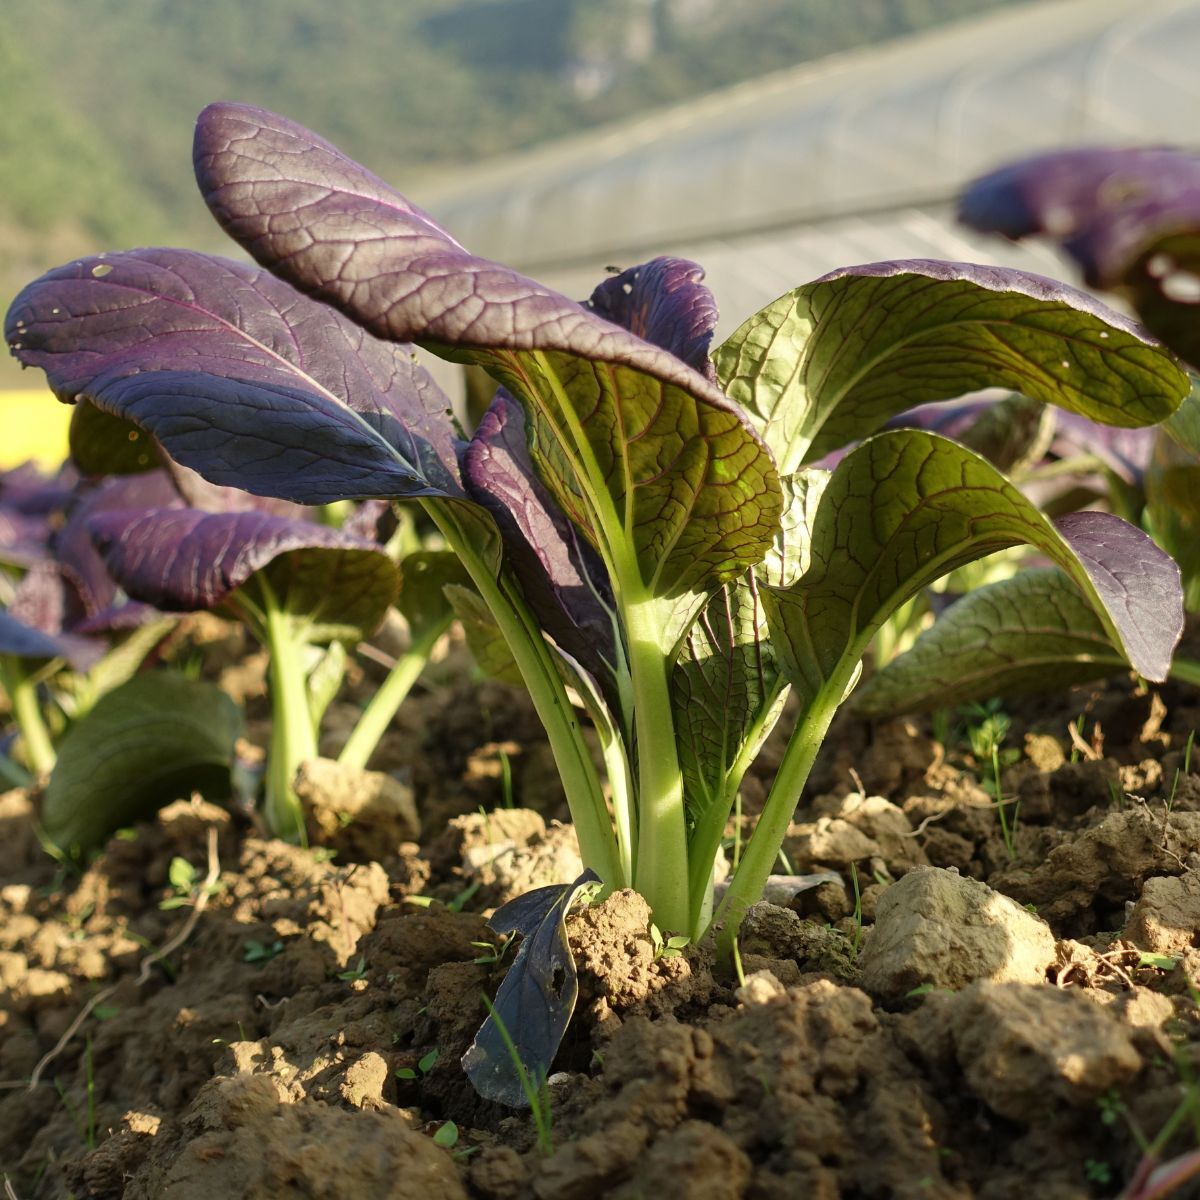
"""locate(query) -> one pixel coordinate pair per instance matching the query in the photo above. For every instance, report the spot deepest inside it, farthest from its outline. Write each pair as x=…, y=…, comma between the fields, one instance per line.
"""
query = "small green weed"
x=537, y=1091
x=425, y=1064
x=671, y=947
x=358, y=971
x=186, y=883
x=260, y=952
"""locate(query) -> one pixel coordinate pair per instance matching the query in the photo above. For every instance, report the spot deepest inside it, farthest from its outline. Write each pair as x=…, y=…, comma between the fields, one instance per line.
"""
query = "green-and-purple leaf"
x=238, y=376
x=907, y=507
x=185, y=560
x=637, y=447
x=1033, y=632
x=834, y=360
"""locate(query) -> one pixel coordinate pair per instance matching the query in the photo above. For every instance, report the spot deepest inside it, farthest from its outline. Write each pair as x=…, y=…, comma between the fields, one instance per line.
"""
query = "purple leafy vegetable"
x=670, y=458
x=238, y=377
x=1129, y=217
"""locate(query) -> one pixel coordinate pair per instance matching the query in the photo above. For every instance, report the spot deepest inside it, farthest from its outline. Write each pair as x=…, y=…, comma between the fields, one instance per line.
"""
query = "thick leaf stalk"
x=293, y=738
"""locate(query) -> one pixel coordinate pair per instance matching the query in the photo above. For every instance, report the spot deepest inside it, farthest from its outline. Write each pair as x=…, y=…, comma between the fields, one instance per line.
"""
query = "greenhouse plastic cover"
x=851, y=159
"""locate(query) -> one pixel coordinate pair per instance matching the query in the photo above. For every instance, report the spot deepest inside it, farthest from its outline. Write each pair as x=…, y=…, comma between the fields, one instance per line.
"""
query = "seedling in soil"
x=187, y=884
x=986, y=738
x=354, y=973
x=856, y=941
x=425, y=1064
x=643, y=523
x=670, y=947
x=261, y=952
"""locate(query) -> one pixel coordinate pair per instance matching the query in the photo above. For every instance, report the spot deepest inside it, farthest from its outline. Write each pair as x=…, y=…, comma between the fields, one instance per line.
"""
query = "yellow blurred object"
x=33, y=425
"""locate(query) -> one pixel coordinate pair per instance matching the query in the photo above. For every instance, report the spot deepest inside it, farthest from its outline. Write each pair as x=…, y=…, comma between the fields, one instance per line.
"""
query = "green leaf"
x=101, y=443
x=647, y=470
x=446, y=1135
x=834, y=360
x=423, y=578
x=1032, y=632
x=342, y=594
x=727, y=694
x=1160, y=962
x=181, y=874
x=907, y=507
x=486, y=642
x=155, y=739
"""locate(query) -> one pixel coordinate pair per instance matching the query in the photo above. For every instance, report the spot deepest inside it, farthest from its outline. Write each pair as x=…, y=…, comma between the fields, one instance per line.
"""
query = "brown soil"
x=260, y=1058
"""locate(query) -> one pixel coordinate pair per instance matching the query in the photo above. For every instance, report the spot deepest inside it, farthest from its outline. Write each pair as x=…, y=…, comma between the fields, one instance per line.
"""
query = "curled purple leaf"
x=697, y=492
x=664, y=302
x=238, y=376
x=561, y=576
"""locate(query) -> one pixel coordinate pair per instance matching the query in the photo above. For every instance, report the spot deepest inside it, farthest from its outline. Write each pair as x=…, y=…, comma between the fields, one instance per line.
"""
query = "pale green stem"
x=761, y=851
x=35, y=737
x=378, y=714
x=710, y=827
x=662, y=849
x=1186, y=670
x=580, y=780
x=621, y=789
x=293, y=737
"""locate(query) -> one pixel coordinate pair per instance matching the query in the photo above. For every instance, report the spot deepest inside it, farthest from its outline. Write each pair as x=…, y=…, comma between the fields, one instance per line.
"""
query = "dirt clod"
x=936, y=928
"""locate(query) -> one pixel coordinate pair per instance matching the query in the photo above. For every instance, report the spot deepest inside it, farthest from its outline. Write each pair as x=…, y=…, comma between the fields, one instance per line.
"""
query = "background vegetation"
x=97, y=103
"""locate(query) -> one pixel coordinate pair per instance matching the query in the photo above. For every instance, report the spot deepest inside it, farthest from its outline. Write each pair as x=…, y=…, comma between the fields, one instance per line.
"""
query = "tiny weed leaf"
x=536, y=998
x=447, y=1135
x=181, y=875
x=1160, y=962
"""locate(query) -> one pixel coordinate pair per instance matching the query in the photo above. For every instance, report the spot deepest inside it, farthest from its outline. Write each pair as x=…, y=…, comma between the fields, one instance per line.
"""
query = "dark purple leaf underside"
x=664, y=302
x=696, y=491
x=238, y=376
x=562, y=578
x=535, y=1000
x=186, y=560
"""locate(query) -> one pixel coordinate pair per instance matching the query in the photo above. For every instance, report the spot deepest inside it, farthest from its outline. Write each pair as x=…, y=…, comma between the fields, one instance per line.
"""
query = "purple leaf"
x=697, y=493
x=1130, y=219
x=1102, y=204
x=664, y=302
x=562, y=578
x=77, y=556
x=1137, y=582
x=19, y=640
x=238, y=376
x=186, y=560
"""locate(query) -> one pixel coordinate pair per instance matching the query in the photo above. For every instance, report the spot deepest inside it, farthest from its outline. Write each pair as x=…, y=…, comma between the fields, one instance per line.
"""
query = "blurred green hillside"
x=97, y=99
